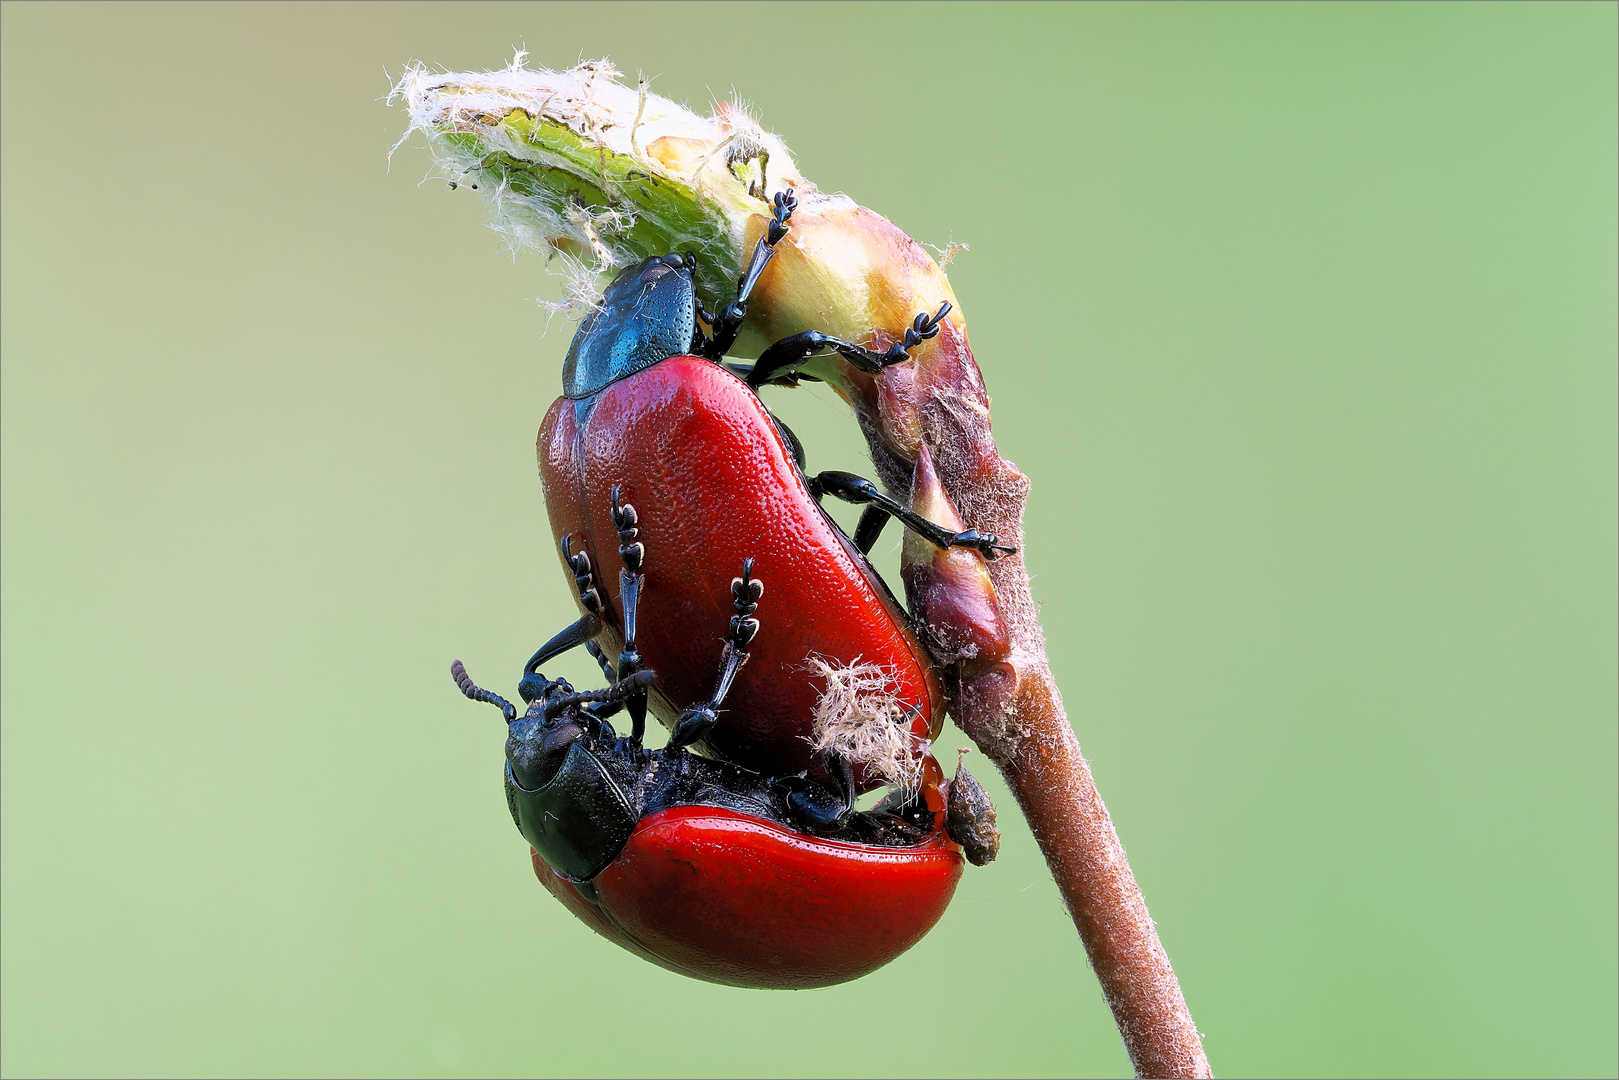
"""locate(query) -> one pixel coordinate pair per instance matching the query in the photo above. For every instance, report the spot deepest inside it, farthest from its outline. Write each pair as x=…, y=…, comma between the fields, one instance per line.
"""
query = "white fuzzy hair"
x=589, y=100
x=861, y=717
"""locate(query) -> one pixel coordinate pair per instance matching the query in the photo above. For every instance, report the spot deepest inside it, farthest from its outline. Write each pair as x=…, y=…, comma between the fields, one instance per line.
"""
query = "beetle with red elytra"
x=652, y=418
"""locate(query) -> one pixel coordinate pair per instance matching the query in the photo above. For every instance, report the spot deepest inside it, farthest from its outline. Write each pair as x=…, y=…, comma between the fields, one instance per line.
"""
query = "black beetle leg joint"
x=624, y=516
x=743, y=631
x=583, y=575
x=600, y=657
x=746, y=592
x=626, y=520
x=695, y=722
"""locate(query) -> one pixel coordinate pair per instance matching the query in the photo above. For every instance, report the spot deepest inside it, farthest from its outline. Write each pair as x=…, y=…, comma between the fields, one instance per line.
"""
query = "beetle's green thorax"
x=648, y=313
x=578, y=819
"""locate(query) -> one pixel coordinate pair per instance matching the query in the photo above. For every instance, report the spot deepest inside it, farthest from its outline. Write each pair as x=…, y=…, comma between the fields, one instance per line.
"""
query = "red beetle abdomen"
x=735, y=899
x=697, y=454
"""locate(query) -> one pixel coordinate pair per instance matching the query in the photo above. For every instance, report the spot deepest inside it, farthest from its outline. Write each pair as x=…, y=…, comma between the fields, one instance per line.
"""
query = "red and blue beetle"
x=749, y=865
x=650, y=413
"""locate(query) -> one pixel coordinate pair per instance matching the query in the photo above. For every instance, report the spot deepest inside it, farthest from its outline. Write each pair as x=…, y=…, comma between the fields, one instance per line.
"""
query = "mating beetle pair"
x=656, y=446
x=711, y=869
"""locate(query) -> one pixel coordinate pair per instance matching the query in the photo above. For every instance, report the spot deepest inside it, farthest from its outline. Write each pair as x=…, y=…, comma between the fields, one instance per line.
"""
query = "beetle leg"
x=595, y=650
x=872, y=520
x=729, y=321
x=807, y=802
x=580, y=633
x=857, y=489
x=583, y=577
x=697, y=720
x=795, y=447
x=842, y=781
x=777, y=363
x=632, y=553
x=588, y=626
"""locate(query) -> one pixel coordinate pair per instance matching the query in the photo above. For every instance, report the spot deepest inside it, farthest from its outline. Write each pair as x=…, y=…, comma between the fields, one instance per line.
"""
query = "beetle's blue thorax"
x=647, y=314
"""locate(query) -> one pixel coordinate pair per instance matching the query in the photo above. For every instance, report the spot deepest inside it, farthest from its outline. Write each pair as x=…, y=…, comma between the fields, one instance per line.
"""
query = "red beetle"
x=735, y=898
x=708, y=869
x=651, y=420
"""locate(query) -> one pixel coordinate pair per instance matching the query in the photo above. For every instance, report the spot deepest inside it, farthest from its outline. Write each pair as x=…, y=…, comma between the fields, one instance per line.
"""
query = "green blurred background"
x=1301, y=318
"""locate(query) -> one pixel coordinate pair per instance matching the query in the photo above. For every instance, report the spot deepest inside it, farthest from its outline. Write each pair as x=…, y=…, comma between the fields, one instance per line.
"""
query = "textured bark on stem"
x=575, y=162
x=1053, y=785
x=1013, y=712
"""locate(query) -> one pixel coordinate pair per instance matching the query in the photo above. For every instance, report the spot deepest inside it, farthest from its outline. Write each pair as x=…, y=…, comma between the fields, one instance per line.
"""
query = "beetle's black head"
x=535, y=747
x=538, y=741
x=647, y=314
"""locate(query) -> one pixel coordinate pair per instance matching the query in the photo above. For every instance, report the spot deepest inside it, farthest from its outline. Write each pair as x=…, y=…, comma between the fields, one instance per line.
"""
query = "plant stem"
x=1014, y=714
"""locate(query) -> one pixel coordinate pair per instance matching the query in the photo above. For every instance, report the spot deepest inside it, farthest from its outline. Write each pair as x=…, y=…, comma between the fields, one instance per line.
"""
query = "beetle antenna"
x=627, y=687
x=697, y=720
x=472, y=690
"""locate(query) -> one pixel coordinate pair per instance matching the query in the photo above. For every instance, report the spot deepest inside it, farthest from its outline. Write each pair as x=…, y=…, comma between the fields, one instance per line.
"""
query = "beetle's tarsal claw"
x=986, y=544
x=625, y=520
x=745, y=593
x=583, y=575
x=785, y=203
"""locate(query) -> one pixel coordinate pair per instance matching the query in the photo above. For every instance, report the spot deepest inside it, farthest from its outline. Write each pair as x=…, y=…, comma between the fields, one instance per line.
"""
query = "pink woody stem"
x=1013, y=712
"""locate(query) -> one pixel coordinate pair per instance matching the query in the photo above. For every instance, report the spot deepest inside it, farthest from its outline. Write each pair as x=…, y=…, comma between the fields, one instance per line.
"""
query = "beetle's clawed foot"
x=923, y=328
x=986, y=544
x=583, y=575
x=626, y=520
x=786, y=202
x=698, y=720
x=600, y=657
x=745, y=593
x=632, y=553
